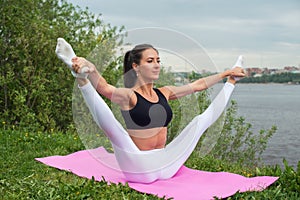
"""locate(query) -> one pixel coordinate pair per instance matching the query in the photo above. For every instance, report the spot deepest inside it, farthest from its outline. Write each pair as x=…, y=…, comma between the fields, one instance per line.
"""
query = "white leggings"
x=148, y=166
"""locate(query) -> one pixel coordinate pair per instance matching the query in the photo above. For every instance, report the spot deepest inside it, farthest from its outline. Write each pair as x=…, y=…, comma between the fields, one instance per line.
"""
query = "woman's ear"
x=135, y=67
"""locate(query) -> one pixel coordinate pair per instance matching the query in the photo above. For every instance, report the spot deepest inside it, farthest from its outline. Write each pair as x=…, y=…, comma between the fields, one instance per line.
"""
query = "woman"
x=145, y=111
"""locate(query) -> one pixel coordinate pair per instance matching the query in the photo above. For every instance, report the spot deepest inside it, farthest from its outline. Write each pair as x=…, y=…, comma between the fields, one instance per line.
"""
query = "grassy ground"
x=24, y=178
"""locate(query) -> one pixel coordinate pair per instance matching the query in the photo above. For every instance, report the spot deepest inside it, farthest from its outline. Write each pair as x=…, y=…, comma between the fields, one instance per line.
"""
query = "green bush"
x=237, y=143
x=35, y=85
x=22, y=177
x=230, y=138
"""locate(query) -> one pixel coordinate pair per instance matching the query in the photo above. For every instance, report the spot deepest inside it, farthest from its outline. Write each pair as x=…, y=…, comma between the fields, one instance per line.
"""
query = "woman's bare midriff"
x=149, y=139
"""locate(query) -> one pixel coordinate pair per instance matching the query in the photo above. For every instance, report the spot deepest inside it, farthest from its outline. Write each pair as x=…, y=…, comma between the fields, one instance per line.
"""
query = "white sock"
x=239, y=63
x=64, y=52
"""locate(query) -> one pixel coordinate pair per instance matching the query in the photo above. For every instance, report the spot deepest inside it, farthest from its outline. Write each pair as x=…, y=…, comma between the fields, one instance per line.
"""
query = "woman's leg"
x=208, y=117
x=98, y=108
x=186, y=141
x=147, y=166
x=106, y=120
x=164, y=163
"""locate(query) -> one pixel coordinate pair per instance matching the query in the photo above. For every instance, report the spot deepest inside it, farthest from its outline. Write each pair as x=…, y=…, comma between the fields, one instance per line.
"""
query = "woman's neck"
x=146, y=89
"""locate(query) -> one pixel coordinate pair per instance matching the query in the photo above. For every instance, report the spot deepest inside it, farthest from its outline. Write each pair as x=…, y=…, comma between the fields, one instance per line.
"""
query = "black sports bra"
x=146, y=114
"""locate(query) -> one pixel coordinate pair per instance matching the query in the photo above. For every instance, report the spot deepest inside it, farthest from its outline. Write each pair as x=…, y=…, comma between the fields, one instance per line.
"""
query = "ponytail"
x=130, y=76
x=133, y=56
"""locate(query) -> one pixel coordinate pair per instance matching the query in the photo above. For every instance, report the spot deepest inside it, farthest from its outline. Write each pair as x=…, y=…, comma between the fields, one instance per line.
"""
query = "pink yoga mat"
x=186, y=184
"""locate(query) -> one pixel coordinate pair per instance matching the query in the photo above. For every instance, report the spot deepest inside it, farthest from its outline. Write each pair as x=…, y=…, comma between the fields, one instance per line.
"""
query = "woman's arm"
x=120, y=96
x=174, y=92
x=116, y=95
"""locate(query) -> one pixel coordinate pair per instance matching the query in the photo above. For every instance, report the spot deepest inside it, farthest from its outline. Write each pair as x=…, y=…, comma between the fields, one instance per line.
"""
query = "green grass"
x=24, y=178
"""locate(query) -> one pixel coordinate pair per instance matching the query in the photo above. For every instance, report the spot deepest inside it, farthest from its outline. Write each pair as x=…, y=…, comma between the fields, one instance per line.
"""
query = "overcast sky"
x=266, y=32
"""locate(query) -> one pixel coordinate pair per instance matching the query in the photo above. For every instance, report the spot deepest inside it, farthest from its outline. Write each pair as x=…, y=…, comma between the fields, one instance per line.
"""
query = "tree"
x=35, y=86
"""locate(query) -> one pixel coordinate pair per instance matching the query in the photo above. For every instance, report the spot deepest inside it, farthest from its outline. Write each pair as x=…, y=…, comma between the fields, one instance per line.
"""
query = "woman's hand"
x=237, y=72
x=81, y=65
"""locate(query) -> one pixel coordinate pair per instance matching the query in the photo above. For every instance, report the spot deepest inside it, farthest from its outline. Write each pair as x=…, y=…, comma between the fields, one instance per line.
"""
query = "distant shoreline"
x=274, y=83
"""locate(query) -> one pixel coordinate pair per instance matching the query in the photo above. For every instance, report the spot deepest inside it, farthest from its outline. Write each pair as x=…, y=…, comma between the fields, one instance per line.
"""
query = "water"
x=265, y=105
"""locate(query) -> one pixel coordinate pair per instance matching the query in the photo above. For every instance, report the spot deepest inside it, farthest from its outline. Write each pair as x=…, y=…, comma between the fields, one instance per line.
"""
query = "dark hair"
x=133, y=56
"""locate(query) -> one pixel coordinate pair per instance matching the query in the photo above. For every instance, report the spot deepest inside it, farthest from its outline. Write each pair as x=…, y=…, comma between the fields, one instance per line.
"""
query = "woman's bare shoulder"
x=166, y=91
x=124, y=98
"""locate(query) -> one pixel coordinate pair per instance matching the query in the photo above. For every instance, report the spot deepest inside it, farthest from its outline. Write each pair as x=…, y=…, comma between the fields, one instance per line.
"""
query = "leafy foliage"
x=35, y=86
x=36, y=94
x=229, y=139
x=286, y=77
x=24, y=178
x=237, y=143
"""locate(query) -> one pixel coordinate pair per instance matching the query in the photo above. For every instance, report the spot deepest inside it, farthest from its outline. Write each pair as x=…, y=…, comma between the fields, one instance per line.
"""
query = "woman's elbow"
x=199, y=85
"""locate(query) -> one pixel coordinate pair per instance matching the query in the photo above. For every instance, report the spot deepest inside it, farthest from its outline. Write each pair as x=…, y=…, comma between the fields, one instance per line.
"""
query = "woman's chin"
x=156, y=77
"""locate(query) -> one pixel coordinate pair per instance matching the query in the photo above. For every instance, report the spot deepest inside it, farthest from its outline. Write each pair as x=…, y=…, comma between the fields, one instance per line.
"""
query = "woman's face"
x=149, y=67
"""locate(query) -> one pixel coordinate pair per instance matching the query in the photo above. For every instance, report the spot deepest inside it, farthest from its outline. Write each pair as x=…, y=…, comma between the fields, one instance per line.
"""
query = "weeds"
x=24, y=178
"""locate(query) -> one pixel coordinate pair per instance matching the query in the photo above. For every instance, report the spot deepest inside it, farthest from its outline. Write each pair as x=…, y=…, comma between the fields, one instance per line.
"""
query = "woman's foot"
x=231, y=80
x=237, y=71
x=64, y=52
x=82, y=81
x=239, y=64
